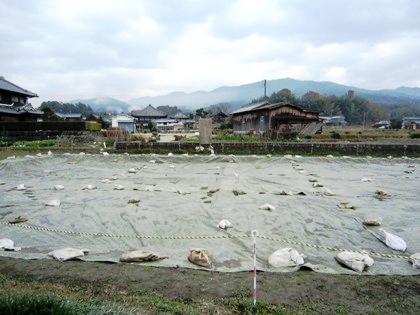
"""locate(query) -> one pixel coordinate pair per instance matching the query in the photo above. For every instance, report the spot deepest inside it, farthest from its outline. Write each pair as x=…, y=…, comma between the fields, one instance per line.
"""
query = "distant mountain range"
x=238, y=96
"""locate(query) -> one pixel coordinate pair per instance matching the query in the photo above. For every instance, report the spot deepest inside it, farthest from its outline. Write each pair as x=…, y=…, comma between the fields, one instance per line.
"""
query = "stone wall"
x=81, y=136
x=279, y=148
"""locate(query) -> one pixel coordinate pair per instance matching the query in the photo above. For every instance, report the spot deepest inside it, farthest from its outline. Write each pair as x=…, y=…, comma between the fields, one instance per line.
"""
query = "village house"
x=275, y=119
x=70, y=117
x=218, y=118
x=147, y=115
x=14, y=104
x=411, y=123
x=125, y=122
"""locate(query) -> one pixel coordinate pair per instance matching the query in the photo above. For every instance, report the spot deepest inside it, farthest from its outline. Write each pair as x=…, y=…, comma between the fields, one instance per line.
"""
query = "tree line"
x=67, y=108
x=357, y=110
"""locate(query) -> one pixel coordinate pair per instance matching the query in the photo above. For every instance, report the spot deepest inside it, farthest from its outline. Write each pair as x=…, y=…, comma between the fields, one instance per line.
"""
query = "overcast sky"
x=78, y=49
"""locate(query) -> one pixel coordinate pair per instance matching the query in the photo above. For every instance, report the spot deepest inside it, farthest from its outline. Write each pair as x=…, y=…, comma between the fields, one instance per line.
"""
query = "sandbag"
x=394, y=241
x=225, y=224
x=415, y=260
x=200, y=257
x=53, y=203
x=355, y=261
x=18, y=219
x=67, y=253
x=346, y=205
x=286, y=257
x=8, y=244
x=372, y=221
x=267, y=207
x=140, y=255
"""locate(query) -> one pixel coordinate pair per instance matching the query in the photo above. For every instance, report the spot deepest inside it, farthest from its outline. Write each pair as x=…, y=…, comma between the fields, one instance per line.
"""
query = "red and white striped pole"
x=254, y=234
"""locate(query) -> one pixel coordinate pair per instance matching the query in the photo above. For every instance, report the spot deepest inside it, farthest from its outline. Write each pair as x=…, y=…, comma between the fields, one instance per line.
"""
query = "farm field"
x=181, y=289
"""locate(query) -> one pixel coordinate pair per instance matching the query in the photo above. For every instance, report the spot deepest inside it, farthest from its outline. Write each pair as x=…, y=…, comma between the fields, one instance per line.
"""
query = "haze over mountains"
x=238, y=96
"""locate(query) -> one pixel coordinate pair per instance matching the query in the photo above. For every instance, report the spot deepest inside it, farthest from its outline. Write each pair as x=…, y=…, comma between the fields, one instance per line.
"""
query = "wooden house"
x=14, y=104
x=218, y=118
x=411, y=123
x=71, y=117
x=277, y=119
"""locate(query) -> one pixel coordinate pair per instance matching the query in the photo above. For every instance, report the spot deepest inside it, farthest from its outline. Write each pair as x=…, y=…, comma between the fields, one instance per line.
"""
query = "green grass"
x=47, y=303
x=35, y=143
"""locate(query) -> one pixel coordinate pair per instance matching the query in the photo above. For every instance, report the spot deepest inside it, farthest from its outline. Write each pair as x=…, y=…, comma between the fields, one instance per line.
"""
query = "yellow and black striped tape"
x=197, y=237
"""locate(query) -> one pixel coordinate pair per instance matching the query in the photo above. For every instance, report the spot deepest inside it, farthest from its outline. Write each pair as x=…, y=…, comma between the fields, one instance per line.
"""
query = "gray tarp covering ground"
x=181, y=199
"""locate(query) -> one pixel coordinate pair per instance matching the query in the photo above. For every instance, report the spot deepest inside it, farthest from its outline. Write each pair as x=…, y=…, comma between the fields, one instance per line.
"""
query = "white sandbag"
x=20, y=187
x=8, y=244
x=286, y=257
x=58, y=187
x=394, y=241
x=328, y=192
x=225, y=224
x=267, y=206
x=286, y=193
x=140, y=255
x=415, y=260
x=89, y=187
x=53, y=203
x=67, y=253
x=355, y=261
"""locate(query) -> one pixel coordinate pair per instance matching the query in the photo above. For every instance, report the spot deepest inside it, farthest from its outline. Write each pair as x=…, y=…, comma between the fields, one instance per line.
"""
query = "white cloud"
x=70, y=49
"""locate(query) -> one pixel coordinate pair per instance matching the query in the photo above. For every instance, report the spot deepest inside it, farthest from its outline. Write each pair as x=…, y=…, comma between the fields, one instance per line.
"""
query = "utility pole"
x=265, y=89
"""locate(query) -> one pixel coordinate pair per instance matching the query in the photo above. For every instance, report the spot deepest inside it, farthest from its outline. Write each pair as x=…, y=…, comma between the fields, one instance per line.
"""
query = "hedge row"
x=49, y=125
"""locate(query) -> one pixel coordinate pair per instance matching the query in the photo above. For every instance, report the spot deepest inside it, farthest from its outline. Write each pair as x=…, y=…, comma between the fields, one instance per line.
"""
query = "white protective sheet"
x=183, y=198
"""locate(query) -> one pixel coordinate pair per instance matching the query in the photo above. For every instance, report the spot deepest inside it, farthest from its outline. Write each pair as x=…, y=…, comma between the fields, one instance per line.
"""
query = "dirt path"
x=357, y=294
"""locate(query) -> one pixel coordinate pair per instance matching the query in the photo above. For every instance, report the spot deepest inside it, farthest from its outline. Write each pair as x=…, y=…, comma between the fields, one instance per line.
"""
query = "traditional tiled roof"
x=179, y=115
x=69, y=116
x=250, y=108
x=18, y=110
x=149, y=111
x=9, y=86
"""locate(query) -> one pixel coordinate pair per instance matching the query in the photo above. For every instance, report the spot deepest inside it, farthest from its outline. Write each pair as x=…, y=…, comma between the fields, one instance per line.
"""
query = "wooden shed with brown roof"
x=279, y=118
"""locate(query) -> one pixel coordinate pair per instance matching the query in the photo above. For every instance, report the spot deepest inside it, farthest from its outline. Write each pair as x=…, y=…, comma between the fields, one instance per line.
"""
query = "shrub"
x=335, y=135
x=415, y=135
x=35, y=143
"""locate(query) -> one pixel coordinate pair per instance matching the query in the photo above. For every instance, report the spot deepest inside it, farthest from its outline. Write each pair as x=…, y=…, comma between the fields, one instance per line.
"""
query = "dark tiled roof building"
x=147, y=114
x=14, y=103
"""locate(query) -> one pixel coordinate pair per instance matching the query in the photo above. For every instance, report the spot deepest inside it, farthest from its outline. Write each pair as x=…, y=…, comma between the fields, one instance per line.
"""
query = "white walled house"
x=125, y=122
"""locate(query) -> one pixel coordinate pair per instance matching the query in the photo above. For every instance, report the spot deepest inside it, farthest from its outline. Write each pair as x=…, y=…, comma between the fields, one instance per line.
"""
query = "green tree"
x=200, y=112
x=315, y=101
x=284, y=95
x=49, y=115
